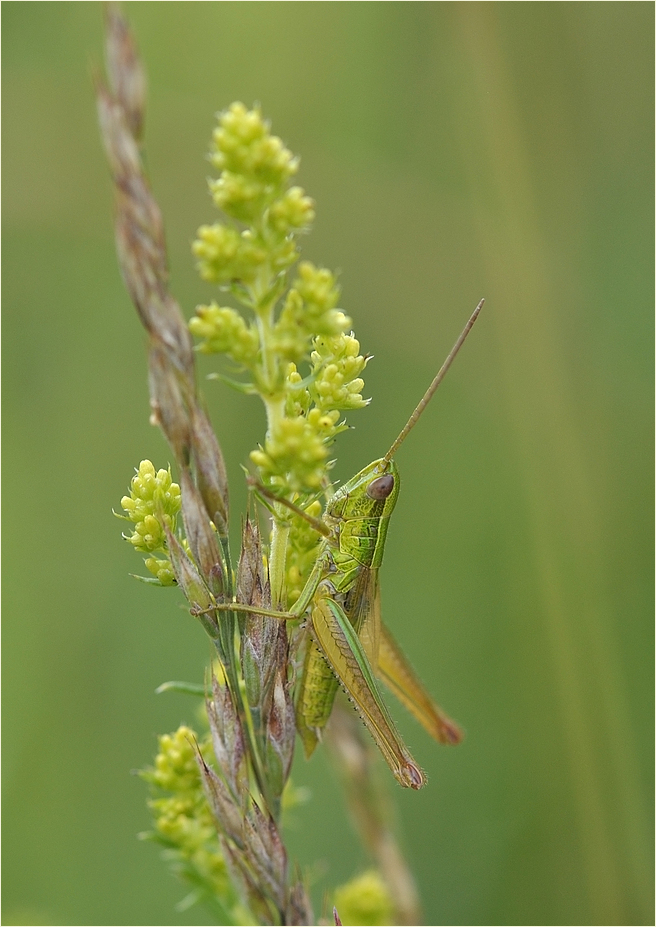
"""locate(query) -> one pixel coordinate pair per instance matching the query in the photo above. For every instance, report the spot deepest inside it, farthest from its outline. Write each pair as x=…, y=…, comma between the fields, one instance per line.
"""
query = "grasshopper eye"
x=381, y=488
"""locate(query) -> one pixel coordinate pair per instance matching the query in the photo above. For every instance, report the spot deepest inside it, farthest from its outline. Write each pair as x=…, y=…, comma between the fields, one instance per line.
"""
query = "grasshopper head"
x=370, y=493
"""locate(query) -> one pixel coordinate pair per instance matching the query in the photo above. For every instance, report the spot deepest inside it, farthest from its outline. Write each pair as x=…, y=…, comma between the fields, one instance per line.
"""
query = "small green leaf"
x=248, y=389
x=187, y=688
x=150, y=580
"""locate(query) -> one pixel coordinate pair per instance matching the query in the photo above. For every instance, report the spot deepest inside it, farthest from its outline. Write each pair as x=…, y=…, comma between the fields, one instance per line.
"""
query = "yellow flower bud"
x=365, y=900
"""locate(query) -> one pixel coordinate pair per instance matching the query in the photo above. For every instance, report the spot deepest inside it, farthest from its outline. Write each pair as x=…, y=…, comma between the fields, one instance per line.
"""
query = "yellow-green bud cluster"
x=224, y=254
x=154, y=501
x=310, y=309
x=293, y=212
x=365, y=900
x=176, y=769
x=152, y=506
x=224, y=331
x=253, y=188
x=337, y=365
x=298, y=399
x=302, y=547
x=162, y=570
x=256, y=162
x=183, y=820
x=295, y=453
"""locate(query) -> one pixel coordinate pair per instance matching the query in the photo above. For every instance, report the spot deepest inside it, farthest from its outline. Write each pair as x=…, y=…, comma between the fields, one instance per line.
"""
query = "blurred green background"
x=455, y=150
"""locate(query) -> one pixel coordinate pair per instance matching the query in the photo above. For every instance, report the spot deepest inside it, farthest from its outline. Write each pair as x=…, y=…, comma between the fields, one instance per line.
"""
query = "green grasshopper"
x=349, y=644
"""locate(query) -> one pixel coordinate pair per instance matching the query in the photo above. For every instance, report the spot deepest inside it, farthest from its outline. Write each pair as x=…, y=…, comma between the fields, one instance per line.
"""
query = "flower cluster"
x=310, y=309
x=290, y=337
x=295, y=452
x=337, y=364
x=365, y=900
x=224, y=331
x=183, y=821
x=254, y=189
x=152, y=507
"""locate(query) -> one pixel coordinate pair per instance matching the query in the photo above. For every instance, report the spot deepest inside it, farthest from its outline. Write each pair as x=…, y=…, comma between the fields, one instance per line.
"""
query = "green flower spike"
x=253, y=189
x=152, y=506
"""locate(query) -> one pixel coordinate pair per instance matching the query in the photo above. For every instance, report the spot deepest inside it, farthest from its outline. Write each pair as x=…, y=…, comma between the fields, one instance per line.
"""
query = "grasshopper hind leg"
x=342, y=648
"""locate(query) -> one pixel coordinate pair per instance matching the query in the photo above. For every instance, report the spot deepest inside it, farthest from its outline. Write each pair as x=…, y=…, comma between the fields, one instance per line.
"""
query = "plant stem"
x=277, y=559
x=274, y=404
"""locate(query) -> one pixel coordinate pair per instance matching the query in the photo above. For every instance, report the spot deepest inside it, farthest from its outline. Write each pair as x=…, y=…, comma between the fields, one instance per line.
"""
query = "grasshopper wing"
x=362, y=606
x=399, y=677
x=342, y=649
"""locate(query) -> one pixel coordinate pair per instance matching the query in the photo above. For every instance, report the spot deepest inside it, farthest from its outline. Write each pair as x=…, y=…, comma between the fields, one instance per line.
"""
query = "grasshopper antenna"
x=428, y=395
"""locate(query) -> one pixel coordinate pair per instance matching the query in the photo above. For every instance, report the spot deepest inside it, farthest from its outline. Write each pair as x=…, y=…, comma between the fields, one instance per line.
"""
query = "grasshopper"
x=349, y=644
